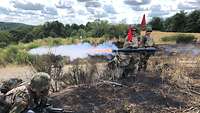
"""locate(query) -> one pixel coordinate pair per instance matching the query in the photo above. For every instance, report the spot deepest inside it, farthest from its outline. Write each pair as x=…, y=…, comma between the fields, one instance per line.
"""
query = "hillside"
x=10, y=25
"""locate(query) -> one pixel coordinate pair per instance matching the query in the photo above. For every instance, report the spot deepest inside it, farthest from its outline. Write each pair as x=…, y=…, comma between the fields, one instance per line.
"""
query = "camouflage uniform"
x=10, y=84
x=129, y=62
x=146, y=41
x=29, y=97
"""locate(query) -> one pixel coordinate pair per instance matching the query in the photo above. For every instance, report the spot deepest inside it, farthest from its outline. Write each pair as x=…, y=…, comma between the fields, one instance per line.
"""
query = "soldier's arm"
x=149, y=42
x=20, y=103
x=125, y=42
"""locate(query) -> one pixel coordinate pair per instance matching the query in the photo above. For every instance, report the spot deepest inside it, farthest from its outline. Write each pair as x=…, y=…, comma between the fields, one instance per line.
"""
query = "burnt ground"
x=145, y=93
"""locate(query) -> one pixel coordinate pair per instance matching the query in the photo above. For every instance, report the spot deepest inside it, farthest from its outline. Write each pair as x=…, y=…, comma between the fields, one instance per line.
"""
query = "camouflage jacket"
x=146, y=41
x=133, y=43
x=21, y=99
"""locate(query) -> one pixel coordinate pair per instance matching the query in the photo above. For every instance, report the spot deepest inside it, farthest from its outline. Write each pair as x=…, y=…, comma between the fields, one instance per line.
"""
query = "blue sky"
x=37, y=12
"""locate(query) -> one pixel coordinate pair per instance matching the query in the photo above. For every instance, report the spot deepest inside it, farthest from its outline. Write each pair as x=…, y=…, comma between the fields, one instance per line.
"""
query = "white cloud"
x=81, y=11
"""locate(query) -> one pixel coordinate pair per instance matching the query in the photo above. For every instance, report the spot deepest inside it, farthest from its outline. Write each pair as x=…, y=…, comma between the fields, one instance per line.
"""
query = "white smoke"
x=183, y=49
x=81, y=50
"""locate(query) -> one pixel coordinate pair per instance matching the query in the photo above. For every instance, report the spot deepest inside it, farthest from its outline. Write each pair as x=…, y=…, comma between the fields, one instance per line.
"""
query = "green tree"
x=4, y=38
x=19, y=34
x=193, y=22
x=54, y=29
x=74, y=26
x=118, y=30
x=176, y=23
x=68, y=30
x=157, y=23
x=81, y=33
x=99, y=28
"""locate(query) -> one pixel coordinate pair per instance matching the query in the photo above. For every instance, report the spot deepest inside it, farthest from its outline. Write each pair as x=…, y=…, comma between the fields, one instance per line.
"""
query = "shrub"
x=180, y=38
x=11, y=53
x=185, y=38
x=50, y=64
x=169, y=38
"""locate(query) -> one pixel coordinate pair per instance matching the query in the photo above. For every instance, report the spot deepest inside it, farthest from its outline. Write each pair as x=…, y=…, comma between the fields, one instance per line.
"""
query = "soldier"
x=28, y=97
x=145, y=41
x=130, y=62
x=131, y=38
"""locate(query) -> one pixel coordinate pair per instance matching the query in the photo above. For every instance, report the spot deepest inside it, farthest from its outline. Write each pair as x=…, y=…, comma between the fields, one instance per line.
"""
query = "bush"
x=185, y=38
x=180, y=38
x=169, y=38
x=11, y=53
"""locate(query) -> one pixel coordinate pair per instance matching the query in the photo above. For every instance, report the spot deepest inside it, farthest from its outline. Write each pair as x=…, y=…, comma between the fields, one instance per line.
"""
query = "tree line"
x=56, y=29
x=180, y=22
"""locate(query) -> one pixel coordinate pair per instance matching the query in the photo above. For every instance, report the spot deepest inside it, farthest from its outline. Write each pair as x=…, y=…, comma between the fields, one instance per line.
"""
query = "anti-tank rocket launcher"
x=150, y=50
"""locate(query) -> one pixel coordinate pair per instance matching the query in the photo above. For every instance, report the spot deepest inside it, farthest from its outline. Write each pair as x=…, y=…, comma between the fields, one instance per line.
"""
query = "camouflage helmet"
x=40, y=81
x=148, y=29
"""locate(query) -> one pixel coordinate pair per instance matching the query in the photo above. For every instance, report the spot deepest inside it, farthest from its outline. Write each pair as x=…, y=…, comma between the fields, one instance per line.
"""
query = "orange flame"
x=102, y=50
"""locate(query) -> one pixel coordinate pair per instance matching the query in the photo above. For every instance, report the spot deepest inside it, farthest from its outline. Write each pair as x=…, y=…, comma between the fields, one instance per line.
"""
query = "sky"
x=36, y=12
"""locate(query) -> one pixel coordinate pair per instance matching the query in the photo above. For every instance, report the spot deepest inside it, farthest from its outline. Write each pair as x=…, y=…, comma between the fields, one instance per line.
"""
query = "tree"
x=157, y=23
x=118, y=30
x=74, y=27
x=19, y=34
x=193, y=22
x=81, y=33
x=176, y=23
x=68, y=30
x=179, y=21
x=38, y=32
x=4, y=38
x=54, y=29
x=99, y=28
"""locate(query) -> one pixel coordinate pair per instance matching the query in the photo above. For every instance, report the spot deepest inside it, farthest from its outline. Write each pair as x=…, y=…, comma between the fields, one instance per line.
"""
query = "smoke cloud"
x=82, y=50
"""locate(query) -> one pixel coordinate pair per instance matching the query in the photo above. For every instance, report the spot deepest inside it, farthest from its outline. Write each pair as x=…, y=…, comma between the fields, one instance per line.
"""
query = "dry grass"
x=174, y=89
x=12, y=71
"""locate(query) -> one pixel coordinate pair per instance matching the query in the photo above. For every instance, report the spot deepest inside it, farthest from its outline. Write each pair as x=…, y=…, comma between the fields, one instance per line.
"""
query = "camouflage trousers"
x=144, y=57
x=129, y=64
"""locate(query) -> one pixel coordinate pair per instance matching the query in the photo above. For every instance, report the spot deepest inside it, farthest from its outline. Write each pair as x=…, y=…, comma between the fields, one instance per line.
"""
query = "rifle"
x=47, y=109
